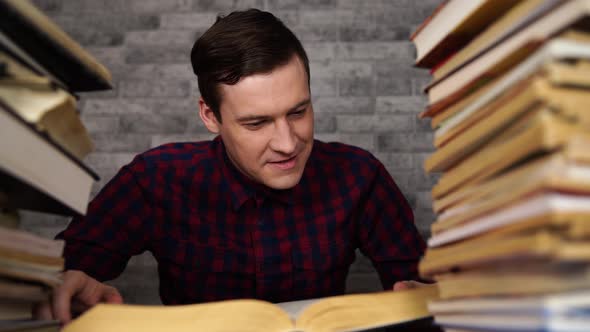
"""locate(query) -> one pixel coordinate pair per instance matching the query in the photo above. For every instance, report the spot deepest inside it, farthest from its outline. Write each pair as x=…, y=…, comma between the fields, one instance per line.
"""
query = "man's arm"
x=117, y=226
x=387, y=233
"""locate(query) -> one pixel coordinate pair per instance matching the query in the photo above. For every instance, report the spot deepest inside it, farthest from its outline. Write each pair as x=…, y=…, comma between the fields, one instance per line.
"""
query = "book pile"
x=42, y=143
x=510, y=248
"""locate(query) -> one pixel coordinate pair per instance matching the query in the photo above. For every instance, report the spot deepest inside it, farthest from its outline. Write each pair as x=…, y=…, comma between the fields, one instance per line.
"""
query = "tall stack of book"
x=509, y=101
x=42, y=143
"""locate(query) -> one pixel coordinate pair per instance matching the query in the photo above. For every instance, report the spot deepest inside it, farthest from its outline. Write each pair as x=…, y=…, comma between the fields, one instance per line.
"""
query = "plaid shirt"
x=217, y=235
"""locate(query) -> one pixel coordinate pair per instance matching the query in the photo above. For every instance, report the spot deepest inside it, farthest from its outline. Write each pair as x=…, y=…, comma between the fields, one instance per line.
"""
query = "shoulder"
x=345, y=160
x=343, y=154
x=181, y=156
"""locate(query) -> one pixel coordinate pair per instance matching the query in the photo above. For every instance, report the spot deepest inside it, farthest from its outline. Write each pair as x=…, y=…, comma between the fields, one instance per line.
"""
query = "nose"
x=283, y=139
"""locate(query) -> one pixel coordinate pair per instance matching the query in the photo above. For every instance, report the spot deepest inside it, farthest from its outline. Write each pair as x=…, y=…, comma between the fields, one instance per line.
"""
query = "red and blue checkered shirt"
x=217, y=235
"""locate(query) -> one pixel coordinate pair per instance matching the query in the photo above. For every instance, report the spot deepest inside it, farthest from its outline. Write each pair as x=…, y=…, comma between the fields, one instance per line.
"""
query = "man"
x=263, y=211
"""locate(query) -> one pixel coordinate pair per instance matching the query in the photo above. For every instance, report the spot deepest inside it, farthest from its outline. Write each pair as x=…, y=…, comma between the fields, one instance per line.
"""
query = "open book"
x=356, y=312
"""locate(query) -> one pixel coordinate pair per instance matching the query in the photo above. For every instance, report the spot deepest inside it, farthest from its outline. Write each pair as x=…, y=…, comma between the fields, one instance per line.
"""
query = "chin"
x=284, y=182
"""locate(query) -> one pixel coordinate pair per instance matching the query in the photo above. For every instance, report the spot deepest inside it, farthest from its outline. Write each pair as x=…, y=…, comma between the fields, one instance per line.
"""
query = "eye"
x=298, y=113
x=255, y=125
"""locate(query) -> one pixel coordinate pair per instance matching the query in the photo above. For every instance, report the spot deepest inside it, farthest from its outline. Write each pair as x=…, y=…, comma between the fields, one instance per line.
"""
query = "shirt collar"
x=243, y=188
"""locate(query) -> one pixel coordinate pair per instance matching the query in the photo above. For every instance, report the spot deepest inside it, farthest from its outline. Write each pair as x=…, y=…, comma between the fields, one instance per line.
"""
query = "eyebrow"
x=265, y=117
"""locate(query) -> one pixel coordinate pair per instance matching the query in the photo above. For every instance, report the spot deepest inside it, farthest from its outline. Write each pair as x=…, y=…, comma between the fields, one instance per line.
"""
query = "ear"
x=208, y=117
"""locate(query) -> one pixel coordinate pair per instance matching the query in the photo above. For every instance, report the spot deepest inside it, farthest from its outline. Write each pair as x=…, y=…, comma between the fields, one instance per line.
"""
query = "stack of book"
x=42, y=143
x=510, y=248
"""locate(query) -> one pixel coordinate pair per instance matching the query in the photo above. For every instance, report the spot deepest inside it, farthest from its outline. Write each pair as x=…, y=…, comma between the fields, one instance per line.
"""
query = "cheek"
x=304, y=128
x=251, y=147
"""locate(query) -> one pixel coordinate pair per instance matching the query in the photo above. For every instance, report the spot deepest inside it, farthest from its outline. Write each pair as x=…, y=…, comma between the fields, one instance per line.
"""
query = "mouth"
x=284, y=164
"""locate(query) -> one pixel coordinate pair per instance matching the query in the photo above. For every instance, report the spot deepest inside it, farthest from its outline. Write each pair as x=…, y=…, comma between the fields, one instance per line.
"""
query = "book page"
x=364, y=311
x=295, y=308
x=223, y=316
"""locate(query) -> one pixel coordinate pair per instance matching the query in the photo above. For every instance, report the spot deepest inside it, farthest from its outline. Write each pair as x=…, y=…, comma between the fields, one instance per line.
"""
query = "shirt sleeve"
x=387, y=233
x=118, y=224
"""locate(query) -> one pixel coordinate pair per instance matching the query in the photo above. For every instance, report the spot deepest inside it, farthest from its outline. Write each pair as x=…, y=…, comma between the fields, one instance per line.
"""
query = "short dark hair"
x=241, y=44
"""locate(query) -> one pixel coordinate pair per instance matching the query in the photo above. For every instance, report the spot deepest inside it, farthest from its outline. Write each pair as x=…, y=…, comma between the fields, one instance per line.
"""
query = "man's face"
x=267, y=124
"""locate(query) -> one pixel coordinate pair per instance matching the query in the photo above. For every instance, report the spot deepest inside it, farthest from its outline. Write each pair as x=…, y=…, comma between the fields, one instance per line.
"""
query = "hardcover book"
x=356, y=312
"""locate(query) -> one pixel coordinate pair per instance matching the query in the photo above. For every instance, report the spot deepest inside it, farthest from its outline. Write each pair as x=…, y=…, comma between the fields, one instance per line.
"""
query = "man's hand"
x=77, y=293
x=407, y=284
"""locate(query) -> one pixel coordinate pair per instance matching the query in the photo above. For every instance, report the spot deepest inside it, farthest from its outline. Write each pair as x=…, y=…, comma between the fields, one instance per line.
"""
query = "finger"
x=73, y=282
x=77, y=307
x=401, y=285
x=407, y=284
x=94, y=293
x=42, y=311
x=112, y=295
